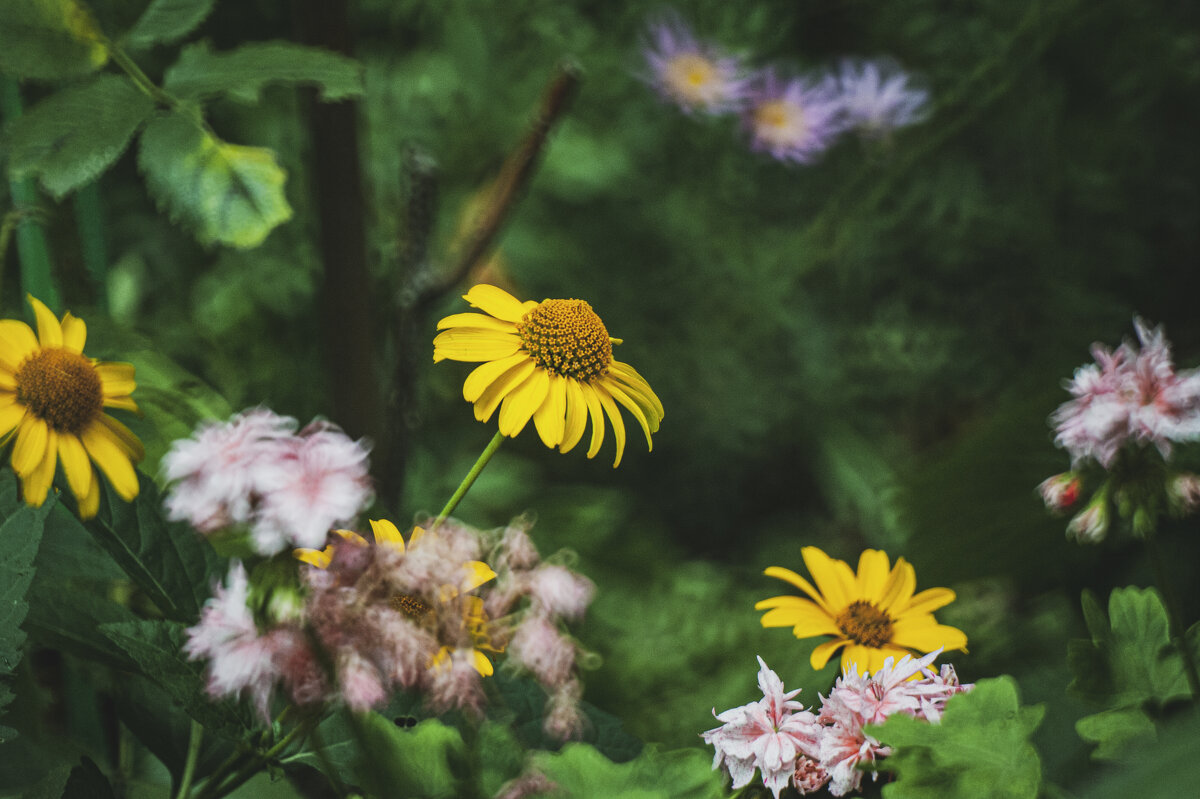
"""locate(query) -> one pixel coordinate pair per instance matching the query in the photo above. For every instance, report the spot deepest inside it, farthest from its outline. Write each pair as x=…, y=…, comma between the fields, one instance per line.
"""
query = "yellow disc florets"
x=865, y=624
x=691, y=76
x=61, y=387
x=566, y=337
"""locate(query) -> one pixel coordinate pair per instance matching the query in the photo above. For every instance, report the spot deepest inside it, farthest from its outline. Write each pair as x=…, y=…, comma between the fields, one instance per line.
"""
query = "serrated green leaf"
x=1163, y=768
x=979, y=750
x=20, y=536
x=74, y=135
x=166, y=21
x=423, y=761
x=156, y=647
x=169, y=561
x=51, y=786
x=49, y=39
x=243, y=73
x=1114, y=732
x=580, y=770
x=225, y=193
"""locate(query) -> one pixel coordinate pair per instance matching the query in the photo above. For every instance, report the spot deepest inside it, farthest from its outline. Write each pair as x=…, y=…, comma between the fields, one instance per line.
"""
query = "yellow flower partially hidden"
x=872, y=615
x=53, y=398
x=549, y=361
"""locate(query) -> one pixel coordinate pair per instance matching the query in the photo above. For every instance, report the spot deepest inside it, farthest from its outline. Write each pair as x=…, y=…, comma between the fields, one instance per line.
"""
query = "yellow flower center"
x=689, y=73
x=865, y=624
x=411, y=606
x=777, y=114
x=61, y=387
x=567, y=338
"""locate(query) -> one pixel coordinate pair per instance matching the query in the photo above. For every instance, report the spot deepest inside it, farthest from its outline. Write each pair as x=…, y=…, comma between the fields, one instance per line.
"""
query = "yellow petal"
x=485, y=374
x=314, y=557
x=116, y=379
x=124, y=403
x=387, y=534
x=631, y=377
x=898, y=589
x=74, y=333
x=441, y=659
x=76, y=465
x=8, y=381
x=478, y=573
x=112, y=460
x=30, y=448
x=49, y=330
x=416, y=534
x=833, y=577
x=467, y=344
x=873, y=570
x=497, y=302
x=821, y=655
x=631, y=406
x=37, y=483
x=123, y=437
x=643, y=402
x=91, y=503
x=550, y=417
x=520, y=405
x=806, y=620
x=924, y=634
x=10, y=416
x=576, y=421
x=482, y=664
x=500, y=388
x=351, y=536
x=787, y=575
x=476, y=321
x=864, y=658
x=928, y=601
x=597, y=416
x=614, y=416
x=17, y=342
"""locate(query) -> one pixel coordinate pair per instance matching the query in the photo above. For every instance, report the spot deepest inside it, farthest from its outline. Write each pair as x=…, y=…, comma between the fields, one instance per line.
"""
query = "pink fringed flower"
x=794, y=120
x=694, y=76
x=877, y=97
x=560, y=591
x=1129, y=395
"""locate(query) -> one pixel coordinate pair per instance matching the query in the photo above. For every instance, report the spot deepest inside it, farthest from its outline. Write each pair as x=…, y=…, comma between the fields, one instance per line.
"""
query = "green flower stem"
x=189, y=767
x=1174, y=617
x=213, y=791
x=140, y=78
x=89, y=220
x=469, y=480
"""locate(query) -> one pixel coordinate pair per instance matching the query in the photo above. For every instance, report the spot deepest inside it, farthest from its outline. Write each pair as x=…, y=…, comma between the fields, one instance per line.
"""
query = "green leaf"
x=169, y=561
x=243, y=73
x=77, y=133
x=1163, y=767
x=87, y=782
x=1114, y=732
x=1130, y=658
x=166, y=21
x=417, y=762
x=156, y=648
x=979, y=750
x=500, y=757
x=580, y=770
x=225, y=193
x=20, y=536
x=49, y=39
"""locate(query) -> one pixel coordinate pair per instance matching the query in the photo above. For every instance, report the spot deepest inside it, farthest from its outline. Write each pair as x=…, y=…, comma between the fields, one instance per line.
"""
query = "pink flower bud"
x=1091, y=524
x=1061, y=491
x=560, y=591
x=1184, y=493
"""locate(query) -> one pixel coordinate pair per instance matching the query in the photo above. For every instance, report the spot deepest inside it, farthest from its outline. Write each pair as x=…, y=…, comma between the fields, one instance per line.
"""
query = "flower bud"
x=1183, y=492
x=1091, y=524
x=1061, y=491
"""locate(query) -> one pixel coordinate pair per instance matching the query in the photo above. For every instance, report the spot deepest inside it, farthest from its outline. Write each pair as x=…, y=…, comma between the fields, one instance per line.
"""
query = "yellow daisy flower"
x=53, y=397
x=874, y=614
x=549, y=361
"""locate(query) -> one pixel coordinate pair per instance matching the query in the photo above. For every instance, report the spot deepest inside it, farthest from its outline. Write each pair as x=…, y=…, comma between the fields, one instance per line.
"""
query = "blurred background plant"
x=858, y=352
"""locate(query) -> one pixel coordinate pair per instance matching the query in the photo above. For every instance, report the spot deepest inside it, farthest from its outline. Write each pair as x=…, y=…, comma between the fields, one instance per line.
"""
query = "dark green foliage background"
x=861, y=352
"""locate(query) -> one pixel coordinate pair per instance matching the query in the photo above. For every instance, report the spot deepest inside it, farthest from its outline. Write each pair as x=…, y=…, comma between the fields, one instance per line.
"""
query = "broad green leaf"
x=163, y=727
x=49, y=39
x=243, y=73
x=156, y=647
x=52, y=785
x=1130, y=658
x=19, y=538
x=580, y=770
x=68, y=616
x=423, y=761
x=169, y=561
x=166, y=21
x=87, y=782
x=979, y=750
x=77, y=133
x=500, y=757
x=1115, y=731
x=1160, y=768
x=225, y=193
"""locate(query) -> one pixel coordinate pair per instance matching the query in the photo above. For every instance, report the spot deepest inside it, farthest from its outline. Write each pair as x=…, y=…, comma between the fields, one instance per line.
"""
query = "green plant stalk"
x=89, y=221
x=212, y=791
x=33, y=251
x=189, y=767
x=1174, y=617
x=469, y=480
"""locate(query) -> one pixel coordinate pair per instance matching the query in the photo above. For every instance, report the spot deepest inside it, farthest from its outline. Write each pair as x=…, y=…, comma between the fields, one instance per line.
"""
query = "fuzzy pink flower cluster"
x=789, y=745
x=1131, y=395
x=793, y=119
x=288, y=488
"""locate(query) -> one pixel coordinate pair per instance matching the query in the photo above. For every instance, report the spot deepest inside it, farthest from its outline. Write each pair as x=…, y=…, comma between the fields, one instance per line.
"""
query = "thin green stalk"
x=469, y=480
x=89, y=221
x=140, y=78
x=1174, y=617
x=331, y=771
x=254, y=766
x=189, y=767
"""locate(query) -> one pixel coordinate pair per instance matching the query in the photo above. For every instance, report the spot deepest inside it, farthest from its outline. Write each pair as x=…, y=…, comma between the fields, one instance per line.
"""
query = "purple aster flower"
x=794, y=120
x=878, y=98
x=693, y=75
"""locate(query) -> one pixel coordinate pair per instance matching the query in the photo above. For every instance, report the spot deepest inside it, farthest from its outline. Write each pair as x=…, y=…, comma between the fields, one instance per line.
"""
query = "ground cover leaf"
x=71, y=137
x=20, y=535
x=422, y=761
x=166, y=21
x=580, y=770
x=49, y=39
x=224, y=193
x=979, y=750
x=243, y=73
